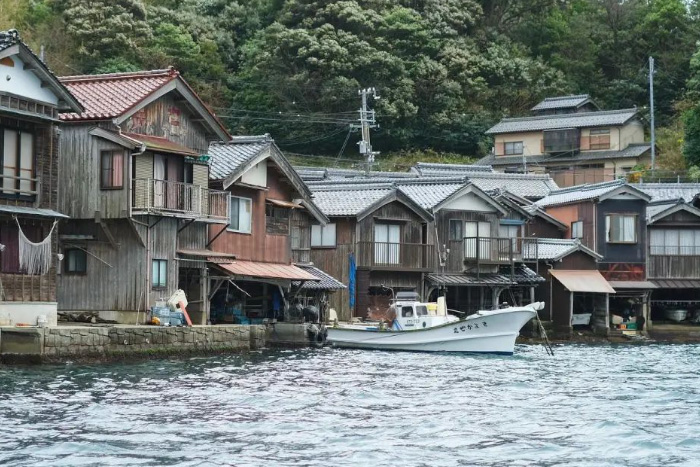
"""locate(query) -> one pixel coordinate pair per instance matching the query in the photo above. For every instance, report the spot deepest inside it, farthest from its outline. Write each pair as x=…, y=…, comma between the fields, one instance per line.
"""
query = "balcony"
x=396, y=256
x=473, y=251
x=177, y=199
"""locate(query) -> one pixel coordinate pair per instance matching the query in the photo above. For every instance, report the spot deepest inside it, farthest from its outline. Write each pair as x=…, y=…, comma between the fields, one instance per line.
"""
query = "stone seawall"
x=97, y=342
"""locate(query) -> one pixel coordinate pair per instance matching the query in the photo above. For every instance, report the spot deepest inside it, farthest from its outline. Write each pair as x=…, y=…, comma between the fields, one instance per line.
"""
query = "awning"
x=267, y=270
x=215, y=257
x=676, y=283
x=632, y=285
x=582, y=281
x=27, y=211
x=159, y=144
x=325, y=281
x=284, y=204
x=470, y=280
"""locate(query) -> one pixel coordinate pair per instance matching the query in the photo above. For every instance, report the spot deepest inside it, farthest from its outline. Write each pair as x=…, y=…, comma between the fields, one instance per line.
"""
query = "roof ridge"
x=589, y=186
x=568, y=241
x=170, y=71
x=569, y=116
x=570, y=96
x=265, y=138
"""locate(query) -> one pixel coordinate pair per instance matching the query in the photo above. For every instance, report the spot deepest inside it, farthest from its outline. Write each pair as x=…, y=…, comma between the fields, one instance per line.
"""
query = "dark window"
x=160, y=273
x=112, y=169
x=514, y=148
x=276, y=220
x=9, y=237
x=561, y=140
x=75, y=261
x=17, y=152
x=407, y=312
x=456, y=229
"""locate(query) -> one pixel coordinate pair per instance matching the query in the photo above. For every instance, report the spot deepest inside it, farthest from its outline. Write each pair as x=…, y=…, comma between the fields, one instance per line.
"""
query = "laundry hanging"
x=34, y=258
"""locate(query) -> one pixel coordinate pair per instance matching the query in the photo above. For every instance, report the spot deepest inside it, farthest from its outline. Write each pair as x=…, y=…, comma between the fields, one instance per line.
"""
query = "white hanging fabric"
x=34, y=258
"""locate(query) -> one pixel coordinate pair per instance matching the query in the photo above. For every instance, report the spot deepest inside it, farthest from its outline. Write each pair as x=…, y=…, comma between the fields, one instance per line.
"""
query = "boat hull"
x=487, y=332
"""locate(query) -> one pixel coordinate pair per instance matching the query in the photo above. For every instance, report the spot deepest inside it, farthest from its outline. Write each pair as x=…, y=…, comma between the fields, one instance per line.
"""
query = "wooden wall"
x=394, y=212
x=455, y=258
x=584, y=211
x=80, y=193
x=574, y=261
x=622, y=253
x=538, y=227
x=169, y=118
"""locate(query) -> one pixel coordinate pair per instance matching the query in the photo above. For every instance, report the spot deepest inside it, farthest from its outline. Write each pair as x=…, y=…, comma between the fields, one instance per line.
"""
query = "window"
x=577, y=229
x=621, y=228
x=456, y=229
x=514, y=148
x=561, y=140
x=323, y=235
x=387, y=244
x=600, y=138
x=240, y=216
x=276, y=220
x=112, y=170
x=512, y=232
x=159, y=276
x=75, y=261
x=407, y=312
x=674, y=242
x=17, y=162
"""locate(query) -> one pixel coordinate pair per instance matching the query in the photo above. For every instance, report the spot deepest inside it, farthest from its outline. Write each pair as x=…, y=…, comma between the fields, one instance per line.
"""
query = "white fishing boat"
x=429, y=327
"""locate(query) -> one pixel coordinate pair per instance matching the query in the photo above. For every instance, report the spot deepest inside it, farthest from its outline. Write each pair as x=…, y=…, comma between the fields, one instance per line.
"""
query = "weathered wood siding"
x=80, y=194
x=455, y=258
x=300, y=236
x=574, y=261
x=616, y=252
x=538, y=227
x=168, y=118
x=585, y=212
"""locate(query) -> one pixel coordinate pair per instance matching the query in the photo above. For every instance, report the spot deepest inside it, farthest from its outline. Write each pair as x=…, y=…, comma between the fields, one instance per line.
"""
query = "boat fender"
x=317, y=337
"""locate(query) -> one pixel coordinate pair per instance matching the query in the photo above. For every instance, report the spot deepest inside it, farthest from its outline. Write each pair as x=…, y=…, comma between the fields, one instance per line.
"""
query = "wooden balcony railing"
x=180, y=199
x=472, y=251
x=398, y=256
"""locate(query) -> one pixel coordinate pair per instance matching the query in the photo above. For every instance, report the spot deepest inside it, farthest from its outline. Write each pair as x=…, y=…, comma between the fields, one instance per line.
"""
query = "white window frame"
x=577, y=229
x=513, y=151
x=326, y=233
x=250, y=218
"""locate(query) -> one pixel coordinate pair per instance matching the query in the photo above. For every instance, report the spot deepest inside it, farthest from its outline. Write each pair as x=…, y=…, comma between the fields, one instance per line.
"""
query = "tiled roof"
x=227, y=157
x=630, y=152
x=111, y=95
x=670, y=191
x=658, y=207
x=430, y=169
x=429, y=195
x=585, y=192
x=562, y=102
x=325, y=281
x=349, y=202
x=521, y=275
x=554, y=249
x=8, y=39
x=554, y=122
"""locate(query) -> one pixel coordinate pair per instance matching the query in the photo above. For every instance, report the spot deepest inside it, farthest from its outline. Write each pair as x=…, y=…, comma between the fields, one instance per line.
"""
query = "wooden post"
x=571, y=309
x=607, y=311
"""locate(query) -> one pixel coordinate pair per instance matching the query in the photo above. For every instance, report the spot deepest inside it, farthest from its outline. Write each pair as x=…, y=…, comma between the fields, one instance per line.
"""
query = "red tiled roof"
x=268, y=270
x=111, y=95
x=160, y=144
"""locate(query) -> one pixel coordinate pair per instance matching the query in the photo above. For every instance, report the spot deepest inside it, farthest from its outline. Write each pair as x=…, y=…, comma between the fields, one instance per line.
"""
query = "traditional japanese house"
x=30, y=99
x=610, y=219
x=376, y=242
x=574, y=291
x=270, y=227
x=137, y=195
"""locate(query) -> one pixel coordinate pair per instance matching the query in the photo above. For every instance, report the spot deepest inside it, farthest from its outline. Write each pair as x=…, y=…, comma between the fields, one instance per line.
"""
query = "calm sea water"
x=586, y=406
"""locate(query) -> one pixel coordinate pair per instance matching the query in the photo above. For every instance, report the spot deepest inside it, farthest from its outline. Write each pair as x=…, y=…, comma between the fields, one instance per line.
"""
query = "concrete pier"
x=63, y=343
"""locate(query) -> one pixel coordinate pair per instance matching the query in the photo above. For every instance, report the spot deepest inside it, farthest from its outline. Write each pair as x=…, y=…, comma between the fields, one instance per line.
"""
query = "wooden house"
x=610, y=219
x=31, y=98
x=269, y=230
x=137, y=172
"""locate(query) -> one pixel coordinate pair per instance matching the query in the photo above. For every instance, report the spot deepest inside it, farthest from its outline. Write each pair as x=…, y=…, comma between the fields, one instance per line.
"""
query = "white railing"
x=178, y=198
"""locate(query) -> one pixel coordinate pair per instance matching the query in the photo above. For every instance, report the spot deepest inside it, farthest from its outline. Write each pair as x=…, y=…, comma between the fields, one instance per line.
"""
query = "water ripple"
x=587, y=406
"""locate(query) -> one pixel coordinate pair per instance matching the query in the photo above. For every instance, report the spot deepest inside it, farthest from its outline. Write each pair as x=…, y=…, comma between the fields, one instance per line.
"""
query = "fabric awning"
x=582, y=281
x=676, y=283
x=632, y=284
x=27, y=211
x=267, y=270
x=284, y=204
x=159, y=144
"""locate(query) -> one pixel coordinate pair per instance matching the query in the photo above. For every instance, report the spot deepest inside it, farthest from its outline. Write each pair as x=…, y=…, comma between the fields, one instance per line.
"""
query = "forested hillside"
x=445, y=69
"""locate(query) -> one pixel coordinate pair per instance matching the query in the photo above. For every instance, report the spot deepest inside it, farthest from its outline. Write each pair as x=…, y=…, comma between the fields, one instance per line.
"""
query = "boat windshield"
x=422, y=310
x=407, y=312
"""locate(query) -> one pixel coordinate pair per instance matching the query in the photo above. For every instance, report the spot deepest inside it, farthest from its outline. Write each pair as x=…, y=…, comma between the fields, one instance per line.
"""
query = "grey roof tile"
x=553, y=249
x=562, y=102
x=573, y=120
x=580, y=193
x=670, y=191
x=431, y=168
x=325, y=282
x=350, y=201
x=630, y=152
x=227, y=157
x=429, y=195
x=8, y=39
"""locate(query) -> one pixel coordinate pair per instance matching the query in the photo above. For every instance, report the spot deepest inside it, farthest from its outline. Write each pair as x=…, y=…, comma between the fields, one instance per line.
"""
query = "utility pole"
x=367, y=121
x=651, y=108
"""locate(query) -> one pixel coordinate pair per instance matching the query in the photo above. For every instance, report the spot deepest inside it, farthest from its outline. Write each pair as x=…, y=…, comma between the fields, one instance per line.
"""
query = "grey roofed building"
x=554, y=249
x=563, y=102
x=593, y=191
x=429, y=169
x=670, y=191
x=227, y=157
x=350, y=201
x=561, y=121
x=325, y=281
x=632, y=151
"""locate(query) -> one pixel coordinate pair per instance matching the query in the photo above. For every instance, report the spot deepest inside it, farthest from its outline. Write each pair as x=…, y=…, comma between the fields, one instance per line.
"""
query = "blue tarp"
x=351, y=281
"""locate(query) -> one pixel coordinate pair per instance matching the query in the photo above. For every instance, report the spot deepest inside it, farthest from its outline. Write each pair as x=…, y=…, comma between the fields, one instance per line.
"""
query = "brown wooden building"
x=30, y=99
x=138, y=196
x=269, y=231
